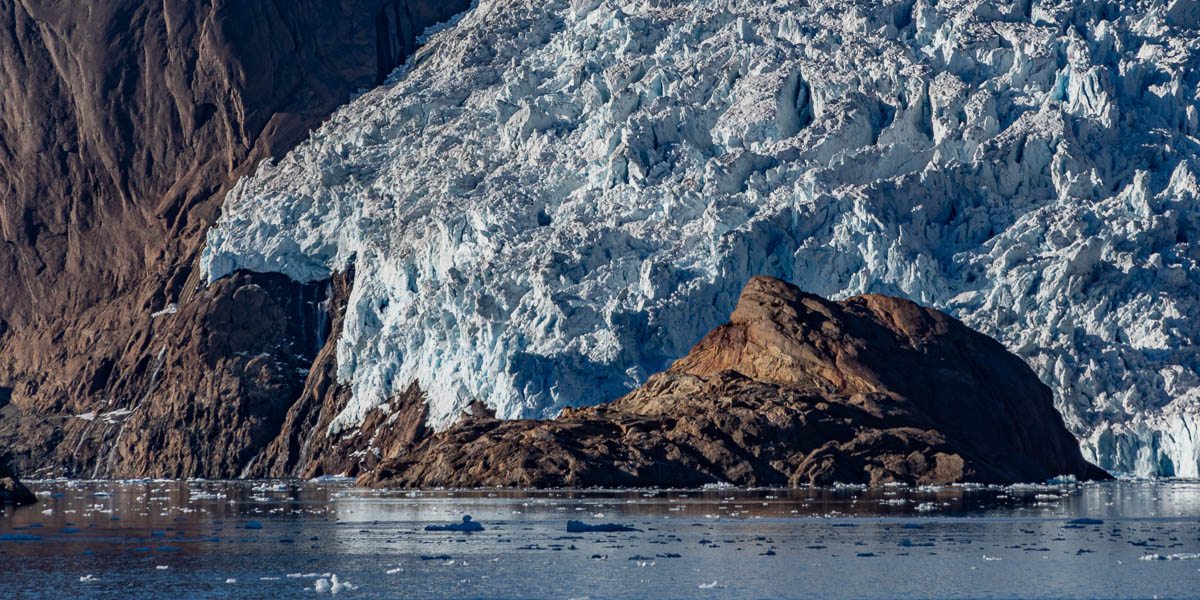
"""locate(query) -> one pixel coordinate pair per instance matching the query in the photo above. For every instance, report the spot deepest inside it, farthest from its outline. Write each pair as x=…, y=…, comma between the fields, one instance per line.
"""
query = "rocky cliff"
x=123, y=123
x=795, y=389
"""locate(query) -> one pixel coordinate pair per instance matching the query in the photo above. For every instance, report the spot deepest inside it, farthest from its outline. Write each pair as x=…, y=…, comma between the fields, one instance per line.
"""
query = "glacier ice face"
x=553, y=200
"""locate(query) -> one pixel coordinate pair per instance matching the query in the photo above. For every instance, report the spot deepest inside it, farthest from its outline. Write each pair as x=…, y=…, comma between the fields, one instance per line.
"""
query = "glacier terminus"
x=553, y=200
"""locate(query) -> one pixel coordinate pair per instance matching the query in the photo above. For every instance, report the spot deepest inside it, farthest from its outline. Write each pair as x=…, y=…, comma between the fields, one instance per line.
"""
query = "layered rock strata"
x=794, y=390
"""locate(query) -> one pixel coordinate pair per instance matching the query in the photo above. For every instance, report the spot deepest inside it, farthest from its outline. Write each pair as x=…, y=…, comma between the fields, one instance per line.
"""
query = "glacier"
x=553, y=200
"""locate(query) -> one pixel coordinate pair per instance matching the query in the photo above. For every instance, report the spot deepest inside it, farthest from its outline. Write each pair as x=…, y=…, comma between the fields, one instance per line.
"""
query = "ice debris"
x=467, y=526
x=581, y=527
x=333, y=585
x=1176, y=556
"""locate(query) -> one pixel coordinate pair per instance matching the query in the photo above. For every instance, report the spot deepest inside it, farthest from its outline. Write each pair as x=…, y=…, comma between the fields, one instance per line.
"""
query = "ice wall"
x=555, y=199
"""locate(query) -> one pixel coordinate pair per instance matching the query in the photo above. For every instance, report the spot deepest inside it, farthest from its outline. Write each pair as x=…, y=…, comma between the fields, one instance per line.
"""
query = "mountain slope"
x=556, y=199
x=122, y=125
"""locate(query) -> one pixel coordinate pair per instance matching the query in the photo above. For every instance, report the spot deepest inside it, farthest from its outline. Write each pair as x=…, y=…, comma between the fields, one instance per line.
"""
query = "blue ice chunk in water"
x=467, y=526
x=19, y=537
x=581, y=527
x=254, y=525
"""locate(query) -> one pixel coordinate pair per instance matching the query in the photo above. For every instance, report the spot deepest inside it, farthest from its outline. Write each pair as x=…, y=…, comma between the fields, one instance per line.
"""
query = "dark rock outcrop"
x=794, y=390
x=122, y=125
x=303, y=447
x=12, y=491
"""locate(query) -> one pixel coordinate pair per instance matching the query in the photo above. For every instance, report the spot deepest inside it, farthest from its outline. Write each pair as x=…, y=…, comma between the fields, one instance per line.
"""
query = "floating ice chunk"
x=1062, y=479
x=466, y=526
x=18, y=537
x=87, y=578
x=581, y=527
x=1176, y=556
x=338, y=586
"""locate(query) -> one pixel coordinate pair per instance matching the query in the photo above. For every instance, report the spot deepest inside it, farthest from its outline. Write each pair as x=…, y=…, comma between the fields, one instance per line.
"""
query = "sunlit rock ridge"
x=553, y=200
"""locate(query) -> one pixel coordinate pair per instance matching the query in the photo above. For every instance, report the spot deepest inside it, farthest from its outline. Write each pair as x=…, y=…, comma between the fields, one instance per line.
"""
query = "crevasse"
x=553, y=200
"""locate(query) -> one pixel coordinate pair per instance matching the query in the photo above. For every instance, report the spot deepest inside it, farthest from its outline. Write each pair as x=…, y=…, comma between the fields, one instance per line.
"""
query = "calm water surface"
x=200, y=539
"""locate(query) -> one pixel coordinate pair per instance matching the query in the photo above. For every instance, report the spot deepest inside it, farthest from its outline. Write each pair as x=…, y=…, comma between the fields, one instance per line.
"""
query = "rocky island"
x=794, y=390
x=12, y=491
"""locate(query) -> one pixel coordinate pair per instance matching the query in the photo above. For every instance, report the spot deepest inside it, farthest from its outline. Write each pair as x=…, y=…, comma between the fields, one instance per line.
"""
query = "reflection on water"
x=198, y=539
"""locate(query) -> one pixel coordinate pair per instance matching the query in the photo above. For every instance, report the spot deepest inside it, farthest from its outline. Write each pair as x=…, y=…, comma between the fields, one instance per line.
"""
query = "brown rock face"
x=794, y=390
x=122, y=125
x=303, y=448
x=12, y=491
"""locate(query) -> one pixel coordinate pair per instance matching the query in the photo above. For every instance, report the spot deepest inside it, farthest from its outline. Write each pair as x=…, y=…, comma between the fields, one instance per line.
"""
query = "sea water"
x=209, y=539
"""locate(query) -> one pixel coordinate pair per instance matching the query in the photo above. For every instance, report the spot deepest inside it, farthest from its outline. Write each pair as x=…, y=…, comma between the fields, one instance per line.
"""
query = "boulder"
x=12, y=491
